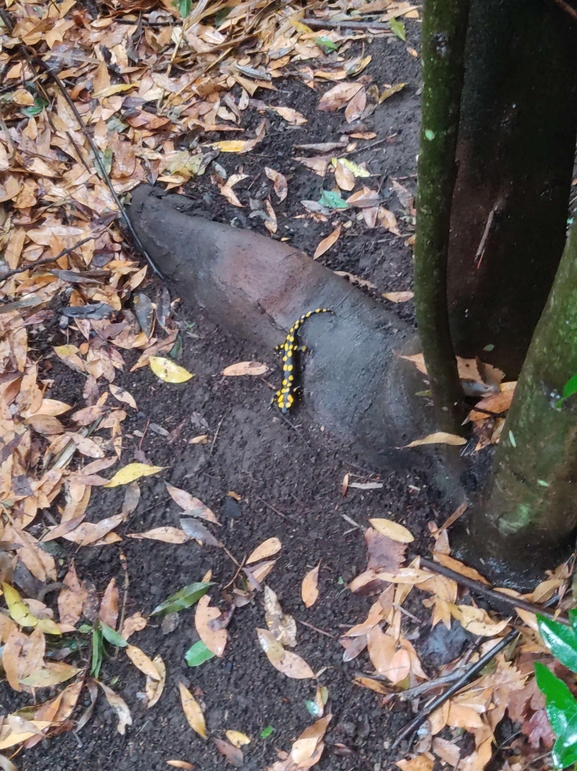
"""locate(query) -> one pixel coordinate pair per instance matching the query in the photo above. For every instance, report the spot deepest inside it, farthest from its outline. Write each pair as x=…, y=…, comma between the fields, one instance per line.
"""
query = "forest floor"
x=261, y=477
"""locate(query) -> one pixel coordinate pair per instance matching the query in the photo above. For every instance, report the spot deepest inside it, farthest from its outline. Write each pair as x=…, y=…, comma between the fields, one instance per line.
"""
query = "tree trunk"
x=529, y=518
x=515, y=153
x=444, y=30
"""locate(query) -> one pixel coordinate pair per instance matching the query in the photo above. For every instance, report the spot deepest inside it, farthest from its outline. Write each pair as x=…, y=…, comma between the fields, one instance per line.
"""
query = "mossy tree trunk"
x=443, y=46
x=529, y=516
x=515, y=154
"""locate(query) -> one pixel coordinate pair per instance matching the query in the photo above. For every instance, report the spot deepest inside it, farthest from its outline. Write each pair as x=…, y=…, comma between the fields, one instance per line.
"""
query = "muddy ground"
x=287, y=476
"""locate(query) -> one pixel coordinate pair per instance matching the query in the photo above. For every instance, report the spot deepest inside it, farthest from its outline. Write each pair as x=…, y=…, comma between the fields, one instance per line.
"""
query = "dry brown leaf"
x=291, y=116
x=287, y=662
x=373, y=685
x=119, y=706
x=232, y=754
x=356, y=107
x=90, y=532
x=310, y=587
x=180, y=764
x=205, y=617
x=420, y=763
x=477, y=621
x=327, y=242
x=267, y=549
x=229, y=193
x=281, y=625
x=253, y=368
x=464, y=570
x=447, y=751
x=305, y=747
x=166, y=534
x=279, y=181
x=155, y=686
x=392, y=530
x=344, y=177
x=398, y=297
x=438, y=437
x=338, y=96
x=109, y=607
x=192, y=711
x=191, y=506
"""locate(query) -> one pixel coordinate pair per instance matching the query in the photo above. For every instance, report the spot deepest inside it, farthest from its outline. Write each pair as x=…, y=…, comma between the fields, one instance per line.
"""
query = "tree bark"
x=443, y=45
x=515, y=152
x=529, y=516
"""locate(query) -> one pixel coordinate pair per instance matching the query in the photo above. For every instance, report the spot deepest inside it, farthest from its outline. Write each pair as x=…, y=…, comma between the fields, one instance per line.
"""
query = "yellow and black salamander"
x=290, y=349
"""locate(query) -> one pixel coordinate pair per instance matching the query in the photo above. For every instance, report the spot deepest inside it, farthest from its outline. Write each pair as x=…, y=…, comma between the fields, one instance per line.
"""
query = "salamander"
x=290, y=349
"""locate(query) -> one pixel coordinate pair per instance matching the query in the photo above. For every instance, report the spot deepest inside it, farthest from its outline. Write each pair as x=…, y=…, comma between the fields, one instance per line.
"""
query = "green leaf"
x=266, y=732
x=36, y=108
x=565, y=749
x=398, y=28
x=97, y=652
x=570, y=387
x=561, y=704
x=573, y=618
x=332, y=200
x=112, y=636
x=326, y=44
x=184, y=7
x=312, y=707
x=197, y=654
x=561, y=641
x=184, y=598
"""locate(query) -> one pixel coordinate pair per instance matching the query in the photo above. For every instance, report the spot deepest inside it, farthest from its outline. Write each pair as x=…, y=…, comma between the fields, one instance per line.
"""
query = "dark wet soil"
x=288, y=478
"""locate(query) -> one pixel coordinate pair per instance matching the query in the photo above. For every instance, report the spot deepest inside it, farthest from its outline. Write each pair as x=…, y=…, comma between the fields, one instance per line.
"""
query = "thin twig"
x=272, y=508
x=214, y=438
x=491, y=594
x=332, y=24
x=316, y=629
x=233, y=579
x=48, y=260
x=465, y=678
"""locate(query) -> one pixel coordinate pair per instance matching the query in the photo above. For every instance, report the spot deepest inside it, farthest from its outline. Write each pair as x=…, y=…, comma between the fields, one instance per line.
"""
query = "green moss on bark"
x=531, y=502
x=444, y=31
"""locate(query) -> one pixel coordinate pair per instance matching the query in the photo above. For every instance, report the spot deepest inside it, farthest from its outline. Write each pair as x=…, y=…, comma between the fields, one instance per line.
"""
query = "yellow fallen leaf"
x=327, y=242
x=237, y=739
x=392, y=530
x=438, y=437
x=266, y=549
x=241, y=145
x=287, y=662
x=131, y=472
x=245, y=368
x=142, y=661
x=192, y=711
x=168, y=370
x=180, y=764
x=309, y=588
